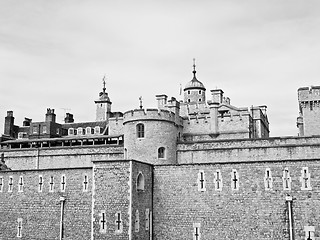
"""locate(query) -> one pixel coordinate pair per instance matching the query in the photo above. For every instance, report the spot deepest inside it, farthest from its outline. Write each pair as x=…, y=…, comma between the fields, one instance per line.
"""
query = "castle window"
x=20, y=184
x=97, y=130
x=161, y=152
x=147, y=219
x=80, y=131
x=196, y=231
x=309, y=232
x=286, y=179
x=51, y=184
x=70, y=131
x=234, y=180
x=218, y=180
x=311, y=105
x=140, y=130
x=137, y=222
x=118, y=222
x=44, y=129
x=10, y=184
x=19, y=228
x=1, y=184
x=305, y=179
x=92, y=130
x=63, y=183
x=268, y=179
x=75, y=132
x=58, y=131
x=35, y=129
x=201, y=181
x=85, y=183
x=20, y=135
x=140, y=182
x=40, y=183
x=200, y=92
x=200, y=99
x=189, y=92
x=103, y=222
x=88, y=130
x=189, y=100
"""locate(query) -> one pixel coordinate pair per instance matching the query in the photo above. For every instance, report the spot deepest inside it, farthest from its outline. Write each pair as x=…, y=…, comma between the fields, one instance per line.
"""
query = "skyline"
x=55, y=55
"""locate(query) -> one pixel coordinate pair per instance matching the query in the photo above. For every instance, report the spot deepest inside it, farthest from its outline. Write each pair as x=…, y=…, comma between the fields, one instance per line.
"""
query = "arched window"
x=71, y=131
x=140, y=182
x=96, y=130
x=140, y=130
x=88, y=130
x=80, y=131
x=161, y=152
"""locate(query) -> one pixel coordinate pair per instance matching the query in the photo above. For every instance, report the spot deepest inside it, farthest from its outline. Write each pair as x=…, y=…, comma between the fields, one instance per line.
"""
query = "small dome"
x=103, y=96
x=194, y=84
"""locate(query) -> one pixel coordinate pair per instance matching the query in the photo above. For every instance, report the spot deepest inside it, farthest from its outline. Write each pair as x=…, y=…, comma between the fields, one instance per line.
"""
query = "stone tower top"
x=103, y=104
x=194, y=90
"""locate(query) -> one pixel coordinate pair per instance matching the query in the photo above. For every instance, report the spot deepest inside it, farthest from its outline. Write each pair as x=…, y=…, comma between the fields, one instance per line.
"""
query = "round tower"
x=194, y=91
x=150, y=135
x=103, y=104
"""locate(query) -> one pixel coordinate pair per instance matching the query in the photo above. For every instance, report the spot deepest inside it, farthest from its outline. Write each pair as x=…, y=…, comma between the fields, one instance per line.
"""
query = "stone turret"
x=309, y=111
x=103, y=110
x=194, y=91
x=151, y=134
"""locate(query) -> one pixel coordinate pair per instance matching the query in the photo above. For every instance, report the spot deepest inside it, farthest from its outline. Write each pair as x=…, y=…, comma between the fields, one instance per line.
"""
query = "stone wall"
x=116, y=191
x=243, y=150
x=59, y=157
x=40, y=212
x=250, y=212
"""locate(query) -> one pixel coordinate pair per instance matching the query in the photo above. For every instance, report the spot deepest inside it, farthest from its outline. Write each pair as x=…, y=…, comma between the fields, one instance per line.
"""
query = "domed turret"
x=103, y=104
x=194, y=90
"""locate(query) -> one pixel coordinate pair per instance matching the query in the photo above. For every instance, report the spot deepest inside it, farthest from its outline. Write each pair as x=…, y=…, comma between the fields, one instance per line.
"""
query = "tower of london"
x=200, y=168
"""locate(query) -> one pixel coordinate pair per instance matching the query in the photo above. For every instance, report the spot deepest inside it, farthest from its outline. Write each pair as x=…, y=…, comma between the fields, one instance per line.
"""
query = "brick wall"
x=251, y=212
x=40, y=211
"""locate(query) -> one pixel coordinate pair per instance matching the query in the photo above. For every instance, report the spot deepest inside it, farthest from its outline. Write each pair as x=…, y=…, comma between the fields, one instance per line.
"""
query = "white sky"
x=53, y=54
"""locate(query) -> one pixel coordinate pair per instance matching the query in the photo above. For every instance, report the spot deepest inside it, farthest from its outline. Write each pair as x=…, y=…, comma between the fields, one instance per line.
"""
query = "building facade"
x=192, y=169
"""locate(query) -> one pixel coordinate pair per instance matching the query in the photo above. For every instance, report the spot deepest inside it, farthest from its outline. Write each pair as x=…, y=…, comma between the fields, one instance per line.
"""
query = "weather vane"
x=104, y=83
x=140, y=99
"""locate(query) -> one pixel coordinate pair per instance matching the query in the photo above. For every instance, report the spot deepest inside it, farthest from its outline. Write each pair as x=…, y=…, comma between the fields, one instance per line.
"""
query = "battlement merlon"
x=151, y=115
x=311, y=93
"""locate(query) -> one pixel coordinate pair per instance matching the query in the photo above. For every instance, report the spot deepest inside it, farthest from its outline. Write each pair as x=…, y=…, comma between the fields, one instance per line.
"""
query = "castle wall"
x=249, y=150
x=116, y=192
x=59, y=157
x=115, y=126
x=250, y=212
x=41, y=211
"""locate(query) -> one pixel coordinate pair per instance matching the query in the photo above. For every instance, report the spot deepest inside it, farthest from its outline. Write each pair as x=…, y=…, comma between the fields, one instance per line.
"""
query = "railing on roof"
x=97, y=140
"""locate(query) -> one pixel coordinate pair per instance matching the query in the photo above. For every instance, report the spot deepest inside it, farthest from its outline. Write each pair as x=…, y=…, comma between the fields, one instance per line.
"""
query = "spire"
x=104, y=84
x=194, y=69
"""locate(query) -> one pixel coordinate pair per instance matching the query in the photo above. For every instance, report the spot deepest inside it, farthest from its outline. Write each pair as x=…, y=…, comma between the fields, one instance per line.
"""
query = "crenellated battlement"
x=306, y=94
x=149, y=114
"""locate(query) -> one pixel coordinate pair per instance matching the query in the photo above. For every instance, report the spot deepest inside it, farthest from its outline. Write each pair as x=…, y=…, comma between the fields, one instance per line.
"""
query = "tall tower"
x=103, y=104
x=309, y=111
x=194, y=91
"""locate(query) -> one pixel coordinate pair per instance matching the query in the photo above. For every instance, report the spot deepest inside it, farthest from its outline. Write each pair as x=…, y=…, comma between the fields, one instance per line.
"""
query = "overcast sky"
x=54, y=54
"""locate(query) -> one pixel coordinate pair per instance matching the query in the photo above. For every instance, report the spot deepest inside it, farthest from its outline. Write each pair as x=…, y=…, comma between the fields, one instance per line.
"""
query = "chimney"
x=50, y=115
x=162, y=100
x=69, y=118
x=8, y=124
x=174, y=106
x=214, y=117
x=26, y=122
x=217, y=95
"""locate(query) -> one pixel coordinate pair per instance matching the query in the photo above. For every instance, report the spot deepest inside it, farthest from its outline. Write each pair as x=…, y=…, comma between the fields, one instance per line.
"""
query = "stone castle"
x=191, y=169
